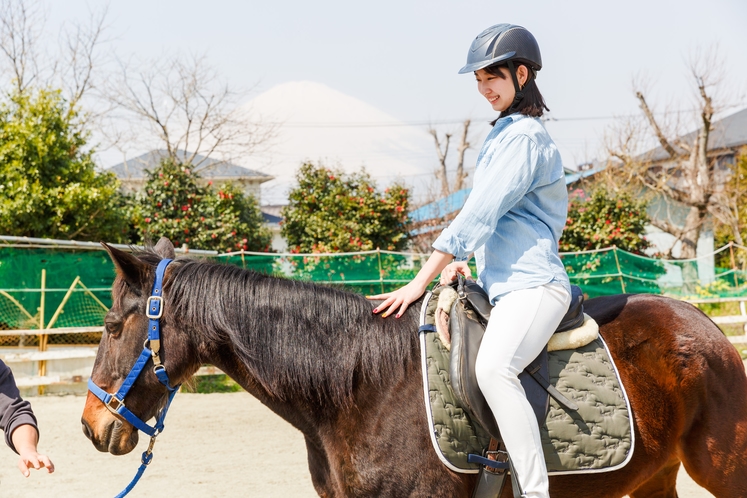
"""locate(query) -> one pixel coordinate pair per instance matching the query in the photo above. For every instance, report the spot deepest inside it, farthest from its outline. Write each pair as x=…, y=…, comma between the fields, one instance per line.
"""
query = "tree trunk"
x=689, y=248
x=463, y=146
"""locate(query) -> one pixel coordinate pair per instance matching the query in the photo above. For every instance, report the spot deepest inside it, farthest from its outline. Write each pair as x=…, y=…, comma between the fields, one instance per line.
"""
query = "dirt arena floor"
x=214, y=445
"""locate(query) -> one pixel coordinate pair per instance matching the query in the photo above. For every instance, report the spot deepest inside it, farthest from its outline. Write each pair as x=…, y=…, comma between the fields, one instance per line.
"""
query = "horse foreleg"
x=661, y=485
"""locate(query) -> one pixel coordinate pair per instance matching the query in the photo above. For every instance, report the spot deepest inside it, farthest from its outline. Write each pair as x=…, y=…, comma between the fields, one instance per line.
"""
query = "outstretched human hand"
x=24, y=439
x=398, y=300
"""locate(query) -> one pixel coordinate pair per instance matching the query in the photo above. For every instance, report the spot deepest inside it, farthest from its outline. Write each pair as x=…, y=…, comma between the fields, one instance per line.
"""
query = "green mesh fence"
x=71, y=288
x=613, y=271
x=371, y=272
x=77, y=283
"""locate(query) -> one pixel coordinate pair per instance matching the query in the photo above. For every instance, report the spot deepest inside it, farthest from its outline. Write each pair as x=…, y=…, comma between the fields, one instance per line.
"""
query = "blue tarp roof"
x=441, y=207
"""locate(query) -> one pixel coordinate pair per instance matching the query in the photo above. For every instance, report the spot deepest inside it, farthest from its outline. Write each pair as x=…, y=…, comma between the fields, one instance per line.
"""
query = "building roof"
x=136, y=168
x=441, y=207
x=726, y=133
x=270, y=218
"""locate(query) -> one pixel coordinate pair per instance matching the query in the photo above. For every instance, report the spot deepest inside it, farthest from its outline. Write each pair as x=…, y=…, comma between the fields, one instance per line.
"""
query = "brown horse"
x=350, y=381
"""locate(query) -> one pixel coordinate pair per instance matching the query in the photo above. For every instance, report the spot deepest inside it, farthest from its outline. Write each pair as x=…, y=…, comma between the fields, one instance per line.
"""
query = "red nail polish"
x=397, y=316
x=375, y=310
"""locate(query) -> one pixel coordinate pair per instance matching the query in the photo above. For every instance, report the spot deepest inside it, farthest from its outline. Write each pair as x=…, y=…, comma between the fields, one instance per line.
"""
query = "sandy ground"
x=214, y=445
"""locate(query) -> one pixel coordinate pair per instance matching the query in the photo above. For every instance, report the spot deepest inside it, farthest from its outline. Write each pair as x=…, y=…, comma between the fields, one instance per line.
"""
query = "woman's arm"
x=505, y=177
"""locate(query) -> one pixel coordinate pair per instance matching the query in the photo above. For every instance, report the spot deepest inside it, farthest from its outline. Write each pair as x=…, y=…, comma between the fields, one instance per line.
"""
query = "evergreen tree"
x=49, y=186
x=175, y=205
x=604, y=220
x=333, y=212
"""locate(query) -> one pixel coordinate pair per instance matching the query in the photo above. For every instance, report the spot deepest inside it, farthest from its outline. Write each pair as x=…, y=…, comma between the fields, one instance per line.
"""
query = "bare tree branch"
x=81, y=43
x=463, y=146
x=21, y=24
x=442, y=153
x=657, y=130
x=688, y=176
x=442, y=150
x=183, y=103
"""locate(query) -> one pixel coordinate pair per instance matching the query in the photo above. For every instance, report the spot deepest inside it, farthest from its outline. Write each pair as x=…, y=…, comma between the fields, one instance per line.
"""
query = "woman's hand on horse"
x=398, y=300
x=449, y=274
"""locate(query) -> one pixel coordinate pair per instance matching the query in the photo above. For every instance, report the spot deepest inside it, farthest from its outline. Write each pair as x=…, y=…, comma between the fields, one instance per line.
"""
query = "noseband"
x=115, y=402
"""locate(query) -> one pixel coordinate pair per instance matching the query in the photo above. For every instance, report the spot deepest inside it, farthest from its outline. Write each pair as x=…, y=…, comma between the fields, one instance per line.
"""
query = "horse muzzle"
x=108, y=433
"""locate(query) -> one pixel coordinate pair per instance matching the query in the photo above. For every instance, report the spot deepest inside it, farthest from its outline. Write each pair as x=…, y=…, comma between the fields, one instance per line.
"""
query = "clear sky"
x=402, y=56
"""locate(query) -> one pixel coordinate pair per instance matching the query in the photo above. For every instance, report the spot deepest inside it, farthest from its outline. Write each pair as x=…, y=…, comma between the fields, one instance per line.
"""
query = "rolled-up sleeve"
x=14, y=411
x=507, y=174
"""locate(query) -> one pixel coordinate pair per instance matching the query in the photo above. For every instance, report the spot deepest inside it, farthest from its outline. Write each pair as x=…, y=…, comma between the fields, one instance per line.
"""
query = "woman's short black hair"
x=533, y=104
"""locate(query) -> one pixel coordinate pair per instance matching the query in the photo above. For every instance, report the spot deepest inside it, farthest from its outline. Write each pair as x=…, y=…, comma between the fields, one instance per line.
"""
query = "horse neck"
x=296, y=343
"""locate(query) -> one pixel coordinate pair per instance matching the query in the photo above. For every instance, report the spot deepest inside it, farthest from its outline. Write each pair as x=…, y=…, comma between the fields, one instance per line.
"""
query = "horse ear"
x=128, y=266
x=165, y=248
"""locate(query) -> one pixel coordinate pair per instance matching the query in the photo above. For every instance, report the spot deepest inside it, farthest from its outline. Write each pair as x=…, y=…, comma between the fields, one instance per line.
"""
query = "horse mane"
x=297, y=338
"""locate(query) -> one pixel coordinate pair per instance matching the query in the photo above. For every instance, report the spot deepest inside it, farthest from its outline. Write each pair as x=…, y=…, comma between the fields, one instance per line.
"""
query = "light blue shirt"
x=516, y=212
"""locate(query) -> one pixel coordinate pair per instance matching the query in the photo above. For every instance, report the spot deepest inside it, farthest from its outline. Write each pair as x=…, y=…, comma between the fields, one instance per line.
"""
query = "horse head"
x=125, y=333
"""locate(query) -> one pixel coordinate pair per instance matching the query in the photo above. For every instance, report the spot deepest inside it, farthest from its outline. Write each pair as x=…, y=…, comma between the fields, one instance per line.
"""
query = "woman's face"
x=499, y=90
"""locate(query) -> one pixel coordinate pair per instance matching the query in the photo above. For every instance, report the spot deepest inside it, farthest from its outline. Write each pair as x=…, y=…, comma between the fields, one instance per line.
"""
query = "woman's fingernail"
x=397, y=316
x=375, y=310
x=384, y=315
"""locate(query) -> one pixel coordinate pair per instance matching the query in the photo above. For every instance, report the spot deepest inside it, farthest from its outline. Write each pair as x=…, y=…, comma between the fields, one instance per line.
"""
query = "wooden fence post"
x=42, y=336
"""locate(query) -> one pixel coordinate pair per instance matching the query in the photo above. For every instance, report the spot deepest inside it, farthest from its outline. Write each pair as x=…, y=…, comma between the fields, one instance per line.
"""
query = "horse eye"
x=113, y=327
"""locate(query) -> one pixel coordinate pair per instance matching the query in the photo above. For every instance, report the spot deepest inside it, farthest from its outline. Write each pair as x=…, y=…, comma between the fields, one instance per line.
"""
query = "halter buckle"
x=114, y=404
x=154, y=309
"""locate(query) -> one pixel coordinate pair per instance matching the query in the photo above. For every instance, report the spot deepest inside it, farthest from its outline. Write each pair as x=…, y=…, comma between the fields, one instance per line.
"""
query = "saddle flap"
x=478, y=299
x=466, y=335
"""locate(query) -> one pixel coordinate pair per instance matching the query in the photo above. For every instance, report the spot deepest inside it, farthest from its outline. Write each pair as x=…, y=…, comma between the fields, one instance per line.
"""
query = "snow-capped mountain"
x=319, y=124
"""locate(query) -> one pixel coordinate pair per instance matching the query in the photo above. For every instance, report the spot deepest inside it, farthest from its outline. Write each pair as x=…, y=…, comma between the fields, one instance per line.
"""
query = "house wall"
x=278, y=243
x=663, y=241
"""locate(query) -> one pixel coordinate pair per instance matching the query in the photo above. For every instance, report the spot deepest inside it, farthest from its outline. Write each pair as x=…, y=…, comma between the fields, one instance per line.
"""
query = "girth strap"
x=551, y=390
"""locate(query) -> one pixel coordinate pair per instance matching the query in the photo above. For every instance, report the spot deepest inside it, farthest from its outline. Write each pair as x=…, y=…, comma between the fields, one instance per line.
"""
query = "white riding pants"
x=520, y=325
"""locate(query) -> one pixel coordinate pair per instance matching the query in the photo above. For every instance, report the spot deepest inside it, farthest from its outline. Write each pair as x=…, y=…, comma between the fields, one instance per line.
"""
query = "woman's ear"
x=522, y=75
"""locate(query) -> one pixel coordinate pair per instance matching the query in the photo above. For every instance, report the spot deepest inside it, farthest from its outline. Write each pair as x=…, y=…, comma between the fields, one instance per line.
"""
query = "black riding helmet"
x=509, y=43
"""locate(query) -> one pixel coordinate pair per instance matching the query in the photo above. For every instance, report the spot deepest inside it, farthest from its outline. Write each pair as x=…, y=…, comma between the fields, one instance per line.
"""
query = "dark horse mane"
x=312, y=350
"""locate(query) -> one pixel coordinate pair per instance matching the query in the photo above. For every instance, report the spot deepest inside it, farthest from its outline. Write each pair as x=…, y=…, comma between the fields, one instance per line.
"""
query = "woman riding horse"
x=512, y=222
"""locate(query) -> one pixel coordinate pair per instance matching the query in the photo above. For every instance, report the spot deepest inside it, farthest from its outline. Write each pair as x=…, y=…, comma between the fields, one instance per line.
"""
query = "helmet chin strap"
x=519, y=95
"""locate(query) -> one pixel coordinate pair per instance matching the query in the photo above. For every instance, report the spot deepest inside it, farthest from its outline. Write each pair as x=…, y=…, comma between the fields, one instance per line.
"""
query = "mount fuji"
x=319, y=124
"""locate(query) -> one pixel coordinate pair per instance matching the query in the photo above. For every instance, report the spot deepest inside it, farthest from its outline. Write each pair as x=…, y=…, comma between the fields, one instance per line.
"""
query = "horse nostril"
x=86, y=429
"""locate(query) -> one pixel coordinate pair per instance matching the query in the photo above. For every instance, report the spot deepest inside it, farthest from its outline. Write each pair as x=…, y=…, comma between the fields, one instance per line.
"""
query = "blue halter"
x=115, y=402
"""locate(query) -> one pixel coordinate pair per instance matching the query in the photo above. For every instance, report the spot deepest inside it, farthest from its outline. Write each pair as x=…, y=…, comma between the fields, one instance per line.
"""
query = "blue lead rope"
x=145, y=459
x=115, y=402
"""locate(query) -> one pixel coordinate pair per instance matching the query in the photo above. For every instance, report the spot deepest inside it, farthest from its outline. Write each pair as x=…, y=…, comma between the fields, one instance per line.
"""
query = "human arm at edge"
x=25, y=438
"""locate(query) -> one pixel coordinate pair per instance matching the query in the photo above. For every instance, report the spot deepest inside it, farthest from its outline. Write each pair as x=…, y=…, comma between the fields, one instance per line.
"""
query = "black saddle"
x=468, y=317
